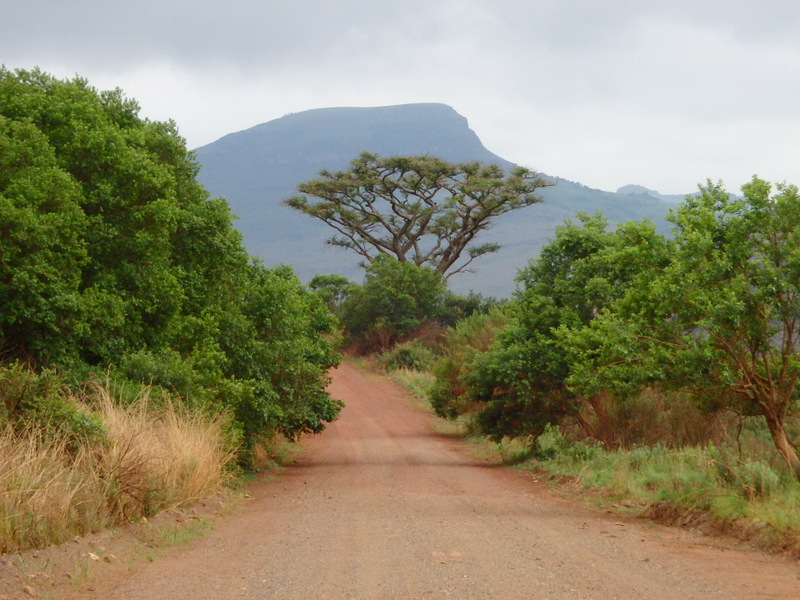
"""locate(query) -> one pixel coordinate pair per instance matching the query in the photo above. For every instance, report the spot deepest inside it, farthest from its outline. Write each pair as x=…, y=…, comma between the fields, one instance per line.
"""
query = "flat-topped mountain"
x=257, y=168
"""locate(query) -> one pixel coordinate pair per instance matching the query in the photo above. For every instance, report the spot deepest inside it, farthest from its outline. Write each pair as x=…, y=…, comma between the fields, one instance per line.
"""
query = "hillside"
x=638, y=190
x=257, y=168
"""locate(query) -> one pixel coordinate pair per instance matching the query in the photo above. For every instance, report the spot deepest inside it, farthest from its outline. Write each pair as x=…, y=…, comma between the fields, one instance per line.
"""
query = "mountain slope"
x=257, y=168
x=638, y=190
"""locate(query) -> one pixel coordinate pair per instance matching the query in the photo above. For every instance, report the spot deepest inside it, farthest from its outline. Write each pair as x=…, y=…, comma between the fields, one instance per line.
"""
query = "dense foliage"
x=450, y=396
x=520, y=380
x=603, y=319
x=721, y=320
x=113, y=255
x=394, y=300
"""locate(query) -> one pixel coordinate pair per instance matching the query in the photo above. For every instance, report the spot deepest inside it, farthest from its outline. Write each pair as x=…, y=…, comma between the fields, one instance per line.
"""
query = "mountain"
x=257, y=168
x=638, y=190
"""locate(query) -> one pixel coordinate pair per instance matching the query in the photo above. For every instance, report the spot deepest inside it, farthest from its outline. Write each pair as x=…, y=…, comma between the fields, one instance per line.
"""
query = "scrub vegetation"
x=144, y=355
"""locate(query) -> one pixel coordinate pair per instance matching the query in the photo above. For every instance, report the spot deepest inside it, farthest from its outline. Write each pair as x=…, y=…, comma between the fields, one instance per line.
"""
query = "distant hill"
x=257, y=168
x=638, y=190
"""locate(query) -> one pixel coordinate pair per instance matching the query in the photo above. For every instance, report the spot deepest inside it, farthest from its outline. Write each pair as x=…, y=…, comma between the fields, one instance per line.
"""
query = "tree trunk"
x=778, y=431
x=603, y=430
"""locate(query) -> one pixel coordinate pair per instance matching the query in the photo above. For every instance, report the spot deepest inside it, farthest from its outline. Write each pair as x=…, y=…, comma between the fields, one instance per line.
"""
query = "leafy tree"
x=419, y=209
x=395, y=299
x=721, y=319
x=42, y=247
x=131, y=177
x=462, y=306
x=275, y=345
x=522, y=378
x=113, y=256
x=333, y=289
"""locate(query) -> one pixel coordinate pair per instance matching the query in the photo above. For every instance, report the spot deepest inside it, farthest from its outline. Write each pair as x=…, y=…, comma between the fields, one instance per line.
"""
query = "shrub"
x=413, y=355
x=449, y=395
x=395, y=299
x=38, y=400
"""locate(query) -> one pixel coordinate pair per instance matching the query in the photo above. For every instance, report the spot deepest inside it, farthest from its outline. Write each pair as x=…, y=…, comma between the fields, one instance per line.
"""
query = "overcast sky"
x=664, y=94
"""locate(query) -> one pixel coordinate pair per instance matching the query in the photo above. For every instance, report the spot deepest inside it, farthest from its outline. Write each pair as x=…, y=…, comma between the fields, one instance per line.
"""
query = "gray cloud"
x=659, y=93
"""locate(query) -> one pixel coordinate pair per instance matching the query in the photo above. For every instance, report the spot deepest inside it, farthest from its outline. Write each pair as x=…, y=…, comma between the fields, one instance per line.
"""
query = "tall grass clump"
x=146, y=459
x=418, y=383
x=157, y=458
x=47, y=492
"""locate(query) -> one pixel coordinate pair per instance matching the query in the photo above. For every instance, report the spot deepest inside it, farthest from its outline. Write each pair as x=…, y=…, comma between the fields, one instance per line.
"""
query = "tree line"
x=113, y=258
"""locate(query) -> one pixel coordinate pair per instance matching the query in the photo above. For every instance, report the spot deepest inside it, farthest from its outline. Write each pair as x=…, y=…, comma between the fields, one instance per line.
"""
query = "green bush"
x=413, y=354
x=552, y=443
x=333, y=290
x=115, y=260
x=395, y=299
x=458, y=307
x=470, y=336
x=32, y=400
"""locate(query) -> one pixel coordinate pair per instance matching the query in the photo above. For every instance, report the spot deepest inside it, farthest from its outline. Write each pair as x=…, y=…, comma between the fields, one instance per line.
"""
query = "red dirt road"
x=381, y=506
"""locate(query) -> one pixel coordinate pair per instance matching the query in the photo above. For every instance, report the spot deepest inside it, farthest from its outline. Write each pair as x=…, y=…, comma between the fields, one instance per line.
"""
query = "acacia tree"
x=419, y=209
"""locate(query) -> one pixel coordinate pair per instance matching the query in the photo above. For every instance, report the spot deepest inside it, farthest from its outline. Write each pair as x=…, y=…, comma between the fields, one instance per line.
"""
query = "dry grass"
x=157, y=459
x=45, y=494
x=151, y=460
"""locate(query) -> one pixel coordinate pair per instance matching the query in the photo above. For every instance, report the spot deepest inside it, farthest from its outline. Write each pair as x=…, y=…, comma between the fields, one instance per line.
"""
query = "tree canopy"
x=113, y=256
x=721, y=319
x=604, y=318
x=521, y=380
x=418, y=209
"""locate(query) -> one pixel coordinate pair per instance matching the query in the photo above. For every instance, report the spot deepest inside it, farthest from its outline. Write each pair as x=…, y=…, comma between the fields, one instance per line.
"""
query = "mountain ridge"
x=255, y=169
x=640, y=190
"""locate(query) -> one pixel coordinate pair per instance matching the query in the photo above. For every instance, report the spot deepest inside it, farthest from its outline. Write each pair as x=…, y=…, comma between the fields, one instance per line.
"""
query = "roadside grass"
x=418, y=383
x=704, y=486
x=180, y=533
x=158, y=458
x=270, y=456
x=148, y=459
x=44, y=494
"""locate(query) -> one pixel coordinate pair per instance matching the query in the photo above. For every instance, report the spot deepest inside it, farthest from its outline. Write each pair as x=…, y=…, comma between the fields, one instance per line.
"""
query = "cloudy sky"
x=665, y=94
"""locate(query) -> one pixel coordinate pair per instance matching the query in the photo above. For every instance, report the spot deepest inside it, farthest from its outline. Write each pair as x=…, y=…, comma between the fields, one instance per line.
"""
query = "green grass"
x=701, y=477
x=417, y=382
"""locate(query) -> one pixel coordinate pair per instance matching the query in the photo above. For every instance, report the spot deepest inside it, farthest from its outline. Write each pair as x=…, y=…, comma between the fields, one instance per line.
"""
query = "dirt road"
x=380, y=506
